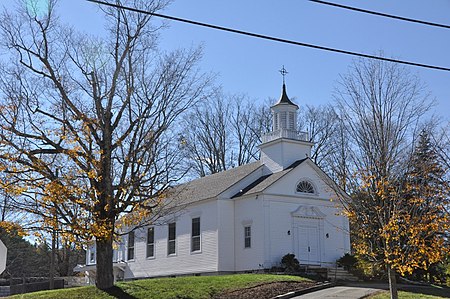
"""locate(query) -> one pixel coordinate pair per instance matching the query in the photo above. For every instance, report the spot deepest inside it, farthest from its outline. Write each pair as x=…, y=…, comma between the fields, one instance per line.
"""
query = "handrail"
x=285, y=133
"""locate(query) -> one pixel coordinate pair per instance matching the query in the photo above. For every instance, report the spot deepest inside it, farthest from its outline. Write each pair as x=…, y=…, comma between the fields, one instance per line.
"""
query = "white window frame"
x=174, y=240
x=307, y=193
x=131, y=248
x=275, y=121
x=291, y=125
x=92, y=255
x=199, y=236
x=248, y=236
x=283, y=120
x=152, y=228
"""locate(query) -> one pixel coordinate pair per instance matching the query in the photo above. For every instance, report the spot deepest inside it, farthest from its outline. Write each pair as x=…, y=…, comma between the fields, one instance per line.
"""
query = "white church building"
x=3, y=251
x=246, y=218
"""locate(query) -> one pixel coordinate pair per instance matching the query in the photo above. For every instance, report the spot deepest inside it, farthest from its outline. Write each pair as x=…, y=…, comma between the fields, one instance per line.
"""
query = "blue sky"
x=248, y=65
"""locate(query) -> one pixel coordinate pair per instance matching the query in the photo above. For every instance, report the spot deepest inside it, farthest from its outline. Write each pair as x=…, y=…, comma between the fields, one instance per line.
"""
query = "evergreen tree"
x=427, y=172
x=24, y=259
x=427, y=191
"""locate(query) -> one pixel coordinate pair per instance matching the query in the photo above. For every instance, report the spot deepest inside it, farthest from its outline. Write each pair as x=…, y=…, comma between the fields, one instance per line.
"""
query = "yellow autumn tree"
x=87, y=122
x=400, y=224
x=381, y=106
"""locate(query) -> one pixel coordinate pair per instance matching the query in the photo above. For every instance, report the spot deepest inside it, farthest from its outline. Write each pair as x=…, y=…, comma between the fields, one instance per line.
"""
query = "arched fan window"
x=305, y=187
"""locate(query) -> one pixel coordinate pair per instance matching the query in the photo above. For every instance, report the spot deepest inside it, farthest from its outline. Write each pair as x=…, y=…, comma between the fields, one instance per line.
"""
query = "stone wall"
x=74, y=281
x=4, y=291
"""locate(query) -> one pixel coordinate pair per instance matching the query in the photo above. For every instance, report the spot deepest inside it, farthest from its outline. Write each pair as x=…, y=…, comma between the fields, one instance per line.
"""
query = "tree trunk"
x=392, y=283
x=104, y=277
x=52, y=261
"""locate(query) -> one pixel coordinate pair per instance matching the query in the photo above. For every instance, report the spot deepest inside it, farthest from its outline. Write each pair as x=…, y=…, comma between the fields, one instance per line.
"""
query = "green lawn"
x=405, y=295
x=192, y=287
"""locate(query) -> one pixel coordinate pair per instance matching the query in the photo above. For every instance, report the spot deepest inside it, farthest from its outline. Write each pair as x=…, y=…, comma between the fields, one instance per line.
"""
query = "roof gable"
x=324, y=187
x=266, y=181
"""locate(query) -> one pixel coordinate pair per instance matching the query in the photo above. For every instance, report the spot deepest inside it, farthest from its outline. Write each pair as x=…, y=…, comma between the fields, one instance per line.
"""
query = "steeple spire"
x=284, y=99
x=283, y=73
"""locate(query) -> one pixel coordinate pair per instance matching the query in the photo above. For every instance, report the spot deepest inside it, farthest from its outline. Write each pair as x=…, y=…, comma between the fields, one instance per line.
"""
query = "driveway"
x=344, y=292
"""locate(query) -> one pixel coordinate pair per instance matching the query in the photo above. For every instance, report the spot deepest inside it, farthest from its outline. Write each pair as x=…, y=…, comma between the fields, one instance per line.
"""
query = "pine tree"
x=24, y=259
x=400, y=222
x=427, y=191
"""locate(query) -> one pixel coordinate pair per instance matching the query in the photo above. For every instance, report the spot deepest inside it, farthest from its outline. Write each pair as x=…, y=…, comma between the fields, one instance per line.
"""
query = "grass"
x=405, y=295
x=189, y=287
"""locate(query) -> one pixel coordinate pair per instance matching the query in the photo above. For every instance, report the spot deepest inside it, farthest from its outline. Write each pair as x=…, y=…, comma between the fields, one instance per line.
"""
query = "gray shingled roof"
x=212, y=185
x=265, y=181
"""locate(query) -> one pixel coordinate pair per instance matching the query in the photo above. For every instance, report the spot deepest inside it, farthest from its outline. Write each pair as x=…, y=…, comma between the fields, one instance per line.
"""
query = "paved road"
x=339, y=292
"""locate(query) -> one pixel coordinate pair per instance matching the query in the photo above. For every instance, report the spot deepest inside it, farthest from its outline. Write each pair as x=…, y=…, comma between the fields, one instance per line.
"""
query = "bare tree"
x=441, y=138
x=222, y=133
x=248, y=126
x=381, y=105
x=87, y=123
x=7, y=210
x=321, y=124
x=327, y=131
x=206, y=140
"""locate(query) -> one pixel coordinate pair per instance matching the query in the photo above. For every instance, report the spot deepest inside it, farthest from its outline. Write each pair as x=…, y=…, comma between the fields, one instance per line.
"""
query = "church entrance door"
x=308, y=245
x=308, y=229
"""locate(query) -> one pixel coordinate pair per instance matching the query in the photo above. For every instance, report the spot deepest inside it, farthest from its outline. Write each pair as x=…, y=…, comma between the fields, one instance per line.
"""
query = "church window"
x=283, y=120
x=195, y=238
x=151, y=242
x=92, y=255
x=172, y=238
x=291, y=120
x=247, y=236
x=305, y=187
x=275, y=117
x=130, y=252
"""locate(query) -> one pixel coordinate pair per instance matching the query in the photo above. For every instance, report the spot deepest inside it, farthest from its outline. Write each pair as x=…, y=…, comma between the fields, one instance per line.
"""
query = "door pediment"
x=311, y=212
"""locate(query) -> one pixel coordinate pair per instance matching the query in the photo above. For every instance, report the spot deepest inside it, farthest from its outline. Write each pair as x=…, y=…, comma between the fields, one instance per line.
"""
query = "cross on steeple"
x=283, y=73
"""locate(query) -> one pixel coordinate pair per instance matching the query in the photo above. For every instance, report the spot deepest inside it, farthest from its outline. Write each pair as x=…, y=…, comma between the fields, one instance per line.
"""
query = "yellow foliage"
x=398, y=230
x=13, y=227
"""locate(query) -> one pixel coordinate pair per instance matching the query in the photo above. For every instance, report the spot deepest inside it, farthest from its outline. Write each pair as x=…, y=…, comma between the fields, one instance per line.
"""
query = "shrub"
x=290, y=263
x=361, y=267
x=348, y=261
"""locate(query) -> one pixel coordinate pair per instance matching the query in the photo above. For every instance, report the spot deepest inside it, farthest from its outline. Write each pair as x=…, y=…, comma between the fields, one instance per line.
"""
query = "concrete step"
x=340, y=274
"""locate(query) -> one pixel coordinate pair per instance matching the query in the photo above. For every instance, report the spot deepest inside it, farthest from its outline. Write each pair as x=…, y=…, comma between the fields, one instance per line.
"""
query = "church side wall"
x=225, y=219
x=184, y=261
x=249, y=212
x=3, y=252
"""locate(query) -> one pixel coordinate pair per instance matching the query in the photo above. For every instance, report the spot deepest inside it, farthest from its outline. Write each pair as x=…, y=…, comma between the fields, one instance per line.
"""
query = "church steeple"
x=284, y=112
x=284, y=144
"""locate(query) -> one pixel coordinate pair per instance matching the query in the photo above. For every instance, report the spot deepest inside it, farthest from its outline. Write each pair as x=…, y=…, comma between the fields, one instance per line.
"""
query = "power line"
x=381, y=14
x=272, y=38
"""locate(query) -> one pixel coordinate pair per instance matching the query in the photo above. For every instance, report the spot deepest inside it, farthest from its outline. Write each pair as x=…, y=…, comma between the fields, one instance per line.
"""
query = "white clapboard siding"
x=249, y=211
x=332, y=227
x=3, y=252
x=184, y=261
x=225, y=213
